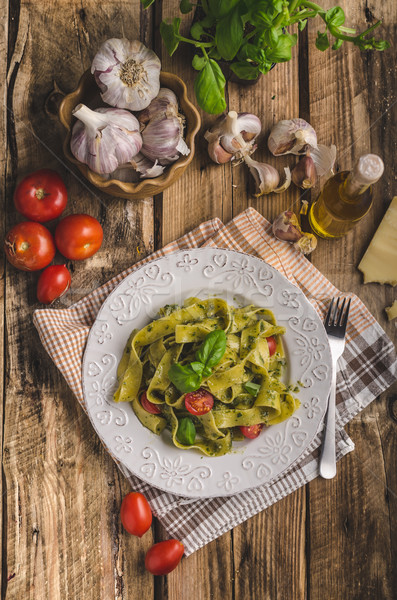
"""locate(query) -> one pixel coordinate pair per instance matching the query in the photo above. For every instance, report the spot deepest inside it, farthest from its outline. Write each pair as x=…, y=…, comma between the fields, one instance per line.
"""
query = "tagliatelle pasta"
x=245, y=384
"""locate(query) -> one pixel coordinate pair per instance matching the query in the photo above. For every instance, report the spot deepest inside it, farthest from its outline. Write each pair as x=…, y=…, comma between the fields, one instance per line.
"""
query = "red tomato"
x=78, y=236
x=29, y=246
x=271, y=342
x=251, y=431
x=199, y=402
x=41, y=196
x=162, y=558
x=135, y=514
x=53, y=283
x=150, y=407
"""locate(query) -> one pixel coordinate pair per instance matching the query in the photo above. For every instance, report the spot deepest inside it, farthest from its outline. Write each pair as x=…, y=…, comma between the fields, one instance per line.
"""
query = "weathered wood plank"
x=64, y=538
x=3, y=169
x=352, y=551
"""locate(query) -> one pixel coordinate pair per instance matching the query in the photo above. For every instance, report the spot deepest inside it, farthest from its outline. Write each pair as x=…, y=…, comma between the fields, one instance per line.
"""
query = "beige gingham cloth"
x=367, y=368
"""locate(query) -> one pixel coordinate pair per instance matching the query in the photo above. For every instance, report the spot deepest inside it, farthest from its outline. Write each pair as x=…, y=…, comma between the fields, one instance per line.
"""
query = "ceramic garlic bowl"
x=87, y=92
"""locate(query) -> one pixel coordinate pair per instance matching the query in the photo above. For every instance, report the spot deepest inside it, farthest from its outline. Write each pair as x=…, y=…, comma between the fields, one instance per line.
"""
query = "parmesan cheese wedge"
x=391, y=311
x=379, y=263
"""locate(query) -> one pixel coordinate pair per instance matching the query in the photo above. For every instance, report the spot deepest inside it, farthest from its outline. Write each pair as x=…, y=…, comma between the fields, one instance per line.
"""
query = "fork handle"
x=328, y=454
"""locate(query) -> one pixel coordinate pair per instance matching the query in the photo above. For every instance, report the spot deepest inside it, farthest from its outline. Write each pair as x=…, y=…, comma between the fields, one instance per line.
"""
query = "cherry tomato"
x=251, y=431
x=41, y=196
x=135, y=514
x=271, y=342
x=150, y=407
x=78, y=236
x=162, y=558
x=29, y=246
x=199, y=402
x=53, y=283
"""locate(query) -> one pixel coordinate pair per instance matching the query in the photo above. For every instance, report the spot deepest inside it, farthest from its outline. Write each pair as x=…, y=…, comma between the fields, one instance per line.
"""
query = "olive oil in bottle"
x=345, y=198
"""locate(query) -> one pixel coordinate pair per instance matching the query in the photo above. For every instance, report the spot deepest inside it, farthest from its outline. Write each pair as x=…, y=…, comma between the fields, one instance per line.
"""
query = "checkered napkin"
x=367, y=368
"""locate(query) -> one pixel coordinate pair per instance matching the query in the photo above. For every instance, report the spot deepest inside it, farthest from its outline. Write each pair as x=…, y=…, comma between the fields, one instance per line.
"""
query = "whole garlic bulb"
x=162, y=139
x=127, y=73
x=291, y=137
x=104, y=138
x=165, y=103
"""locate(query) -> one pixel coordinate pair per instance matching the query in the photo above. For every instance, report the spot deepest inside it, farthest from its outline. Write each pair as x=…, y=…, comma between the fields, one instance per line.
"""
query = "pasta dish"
x=207, y=372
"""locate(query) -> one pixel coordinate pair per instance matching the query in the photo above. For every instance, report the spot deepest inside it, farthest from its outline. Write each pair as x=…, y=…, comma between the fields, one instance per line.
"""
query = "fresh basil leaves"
x=187, y=378
x=186, y=432
x=252, y=388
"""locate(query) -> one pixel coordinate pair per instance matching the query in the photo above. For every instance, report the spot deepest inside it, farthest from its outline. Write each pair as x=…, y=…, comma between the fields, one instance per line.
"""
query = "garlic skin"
x=304, y=173
x=104, y=138
x=163, y=141
x=324, y=159
x=218, y=154
x=287, y=229
x=235, y=133
x=127, y=73
x=291, y=137
x=146, y=168
x=165, y=103
x=266, y=177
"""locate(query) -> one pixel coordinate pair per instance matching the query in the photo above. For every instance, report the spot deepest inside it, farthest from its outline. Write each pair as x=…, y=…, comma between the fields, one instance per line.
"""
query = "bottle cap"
x=368, y=169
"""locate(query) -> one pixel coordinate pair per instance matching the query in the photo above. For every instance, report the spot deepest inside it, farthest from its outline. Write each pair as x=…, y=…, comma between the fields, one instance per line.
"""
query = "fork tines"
x=337, y=317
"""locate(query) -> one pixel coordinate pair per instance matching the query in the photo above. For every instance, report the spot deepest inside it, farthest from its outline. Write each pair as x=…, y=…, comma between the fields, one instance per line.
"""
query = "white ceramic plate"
x=239, y=279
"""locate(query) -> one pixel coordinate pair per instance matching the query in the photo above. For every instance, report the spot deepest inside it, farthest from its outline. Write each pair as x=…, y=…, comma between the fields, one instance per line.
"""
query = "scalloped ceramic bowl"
x=87, y=92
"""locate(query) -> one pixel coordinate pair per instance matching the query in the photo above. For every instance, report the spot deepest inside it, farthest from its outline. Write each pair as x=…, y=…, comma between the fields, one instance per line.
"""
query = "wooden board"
x=62, y=537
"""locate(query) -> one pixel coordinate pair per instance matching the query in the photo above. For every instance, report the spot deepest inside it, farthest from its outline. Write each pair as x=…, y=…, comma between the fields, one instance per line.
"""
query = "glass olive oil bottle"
x=345, y=198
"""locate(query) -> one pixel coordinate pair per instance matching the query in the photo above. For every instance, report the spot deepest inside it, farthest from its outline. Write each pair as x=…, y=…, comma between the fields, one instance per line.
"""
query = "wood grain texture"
x=352, y=548
x=62, y=537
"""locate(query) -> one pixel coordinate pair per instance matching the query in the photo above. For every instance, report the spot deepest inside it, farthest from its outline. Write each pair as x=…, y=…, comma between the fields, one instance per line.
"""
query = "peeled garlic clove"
x=286, y=227
x=104, y=138
x=165, y=103
x=304, y=173
x=291, y=137
x=162, y=139
x=324, y=159
x=127, y=73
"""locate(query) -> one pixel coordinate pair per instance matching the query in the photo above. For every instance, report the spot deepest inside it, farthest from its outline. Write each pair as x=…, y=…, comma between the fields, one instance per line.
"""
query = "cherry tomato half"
x=150, y=407
x=271, y=342
x=78, y=236
x=162, y=558
x=252, y=431
x=199, y=402
x=53, y=283
x=135, y=514
x=41, y=196
x=29, y=246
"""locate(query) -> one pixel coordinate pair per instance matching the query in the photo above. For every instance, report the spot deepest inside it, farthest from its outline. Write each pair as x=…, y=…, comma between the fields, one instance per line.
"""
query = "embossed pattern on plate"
x=239, y=279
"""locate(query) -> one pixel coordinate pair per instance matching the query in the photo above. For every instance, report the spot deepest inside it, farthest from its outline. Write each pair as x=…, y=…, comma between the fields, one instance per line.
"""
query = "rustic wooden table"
x=61, y=533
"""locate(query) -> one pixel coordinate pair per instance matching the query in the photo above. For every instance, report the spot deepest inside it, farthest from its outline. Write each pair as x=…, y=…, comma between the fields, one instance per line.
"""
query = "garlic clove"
x=265, y=176
x=127, y=73
x=105, y=138
x=217, y=153
x=234, y=132
x=286, y=227
x=291, y=137
x=324, y=158
x=304, y=173
x=165, y=103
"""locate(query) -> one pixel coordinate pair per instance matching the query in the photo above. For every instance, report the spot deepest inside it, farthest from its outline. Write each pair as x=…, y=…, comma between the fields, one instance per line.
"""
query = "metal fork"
x=335, y=326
